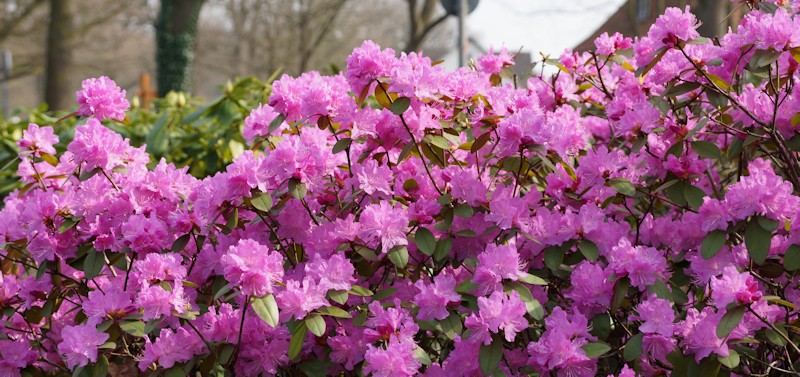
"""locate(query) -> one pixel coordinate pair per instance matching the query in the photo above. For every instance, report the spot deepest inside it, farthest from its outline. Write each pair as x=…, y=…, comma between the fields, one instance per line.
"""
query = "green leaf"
x=298, y=336
x=706, y=149
x=360, y=291
x=49, y=158
x=553, y=257
x=620, y=292
x=642, y=72
x=225, y=353
x=384, y=293
x=489, y=356
x=93, y=264
x=589, y=250
x=313, y=368
x=233, y=219
x=596, y=349
x=297, y=189
x=422, y=356
x=694, y=196
x=333, y=311
x=338, y=296
x=262, y=202
x=180, y=243
x=316, y=324
x=443, y=247
x=135, y=328
x=791, y=260
x=731, y=361
x=757, y=239
x=276, y=123
x=175, y=371
x=763, y=58
x=729, y=321
x=768, y=224
x=341, y=145
x=452, y=326
x=100, y=368
x=438, y=141
x=633, y=348
x=398, y=255
x=69, y=223
x=464, y=211
x=426, y=242
x=400, y=105
x=267, y=309
x=712, y=244
x=367, y=253
x=622, y=186
x=532, y=279
x=86, y=174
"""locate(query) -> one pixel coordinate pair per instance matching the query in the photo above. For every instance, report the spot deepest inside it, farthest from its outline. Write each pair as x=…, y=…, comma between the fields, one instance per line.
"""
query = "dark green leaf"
x=706, y=149
x=729, y=321
x=297, y=188
x=763, y=58
x=316, y=324
x=399, y=256
x=135, y=328
x=596, y=349
x=341, y=145
x=333, y=311
x=791, y=260
x=622, y=186
x=93, y=264
x=313, y=368
x=757, y=239
x=426, y=242
x=633, y=348
x=620, y=292
x=694, y=195
x=589, y=250
x=400, y=105
x=69, y=223
x=731, y=361
x=267, y=309
x=262, y=202
x=360, y=291
x=712, y=244
x=180, y=243
x=489, y=356
x=442, y=249
x=276, y=123
x=532, y=279
x=553, y=257
x=298, y=336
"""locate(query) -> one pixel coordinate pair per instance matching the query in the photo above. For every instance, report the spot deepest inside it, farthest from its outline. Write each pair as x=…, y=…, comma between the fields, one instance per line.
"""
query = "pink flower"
x=591, y=288
x=397, y=360
x=673, y=26
x=102, y=98
x=334, y=273
x=300, y=298
x=494, y=63
x=498, y=312
x=656, y=315
x=156, y=302
x=643, y=265
x=390, y=323
x=112, y=304
x=99, y=147
x=38, y=140
x=385, y=224
x=495, y=264
x=367, y=63
x=559, y=347
x=348, y=350
x=171, y=348
x=146, y=234
x=433, y=299
x=257, y=123
x=252, y=266
x=734, y=286
x=699, y=331
x=607, y=45
x=79, y=344
x=15, y=355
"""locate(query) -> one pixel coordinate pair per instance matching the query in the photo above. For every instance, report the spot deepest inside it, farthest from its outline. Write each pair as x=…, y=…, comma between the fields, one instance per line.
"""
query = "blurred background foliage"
x=206, y=136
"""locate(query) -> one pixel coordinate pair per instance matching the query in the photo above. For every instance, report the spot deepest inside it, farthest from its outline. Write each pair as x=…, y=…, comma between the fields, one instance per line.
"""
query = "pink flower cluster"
x=636, y=214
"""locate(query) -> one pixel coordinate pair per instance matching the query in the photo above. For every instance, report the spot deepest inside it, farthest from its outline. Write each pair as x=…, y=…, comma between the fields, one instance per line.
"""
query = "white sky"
x=537, y=25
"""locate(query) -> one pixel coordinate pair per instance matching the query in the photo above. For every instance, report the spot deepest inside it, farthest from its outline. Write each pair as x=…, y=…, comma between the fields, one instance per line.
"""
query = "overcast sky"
x=538, y=25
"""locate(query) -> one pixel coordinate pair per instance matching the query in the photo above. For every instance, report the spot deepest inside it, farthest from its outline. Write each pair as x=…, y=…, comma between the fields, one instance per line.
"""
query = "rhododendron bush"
x=635, y=213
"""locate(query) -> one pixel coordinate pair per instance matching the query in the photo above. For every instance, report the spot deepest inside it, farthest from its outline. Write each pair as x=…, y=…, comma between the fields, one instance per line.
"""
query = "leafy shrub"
x=635, y=213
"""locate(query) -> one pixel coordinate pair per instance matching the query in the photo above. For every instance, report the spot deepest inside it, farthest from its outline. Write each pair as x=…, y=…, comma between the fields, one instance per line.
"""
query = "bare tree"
x=59, y=54
x=423, y=18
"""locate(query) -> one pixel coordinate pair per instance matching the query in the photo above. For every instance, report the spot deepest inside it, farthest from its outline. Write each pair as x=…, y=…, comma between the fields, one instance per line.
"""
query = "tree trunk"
x=713, y=15
x=58, y=94
x=176, y=29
